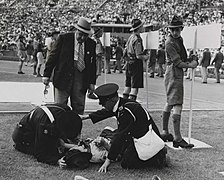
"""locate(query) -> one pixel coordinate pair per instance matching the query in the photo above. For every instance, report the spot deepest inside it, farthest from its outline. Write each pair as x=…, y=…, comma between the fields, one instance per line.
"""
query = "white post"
x=105, y=74
x=146, y=73
x=190, y=116
x=191, y=92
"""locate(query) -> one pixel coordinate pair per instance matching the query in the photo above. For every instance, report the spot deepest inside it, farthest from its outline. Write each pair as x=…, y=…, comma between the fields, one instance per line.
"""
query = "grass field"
x=195, y=164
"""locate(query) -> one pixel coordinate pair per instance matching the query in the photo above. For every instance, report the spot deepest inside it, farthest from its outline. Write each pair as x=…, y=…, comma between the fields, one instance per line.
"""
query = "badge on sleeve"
x=45, y=131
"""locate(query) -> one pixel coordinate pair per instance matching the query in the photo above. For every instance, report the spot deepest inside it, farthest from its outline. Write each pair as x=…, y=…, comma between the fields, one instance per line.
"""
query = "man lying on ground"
x=134, y=122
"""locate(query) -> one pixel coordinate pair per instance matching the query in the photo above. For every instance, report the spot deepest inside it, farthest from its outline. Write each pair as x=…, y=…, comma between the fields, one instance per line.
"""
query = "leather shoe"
x=92, y=96
x=167, y=137
x=182, y=144
x=20, y=72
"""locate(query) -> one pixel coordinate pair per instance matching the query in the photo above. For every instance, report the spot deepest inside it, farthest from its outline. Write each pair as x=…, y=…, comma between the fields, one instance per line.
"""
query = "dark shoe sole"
x=182, y=144
x=167, y=137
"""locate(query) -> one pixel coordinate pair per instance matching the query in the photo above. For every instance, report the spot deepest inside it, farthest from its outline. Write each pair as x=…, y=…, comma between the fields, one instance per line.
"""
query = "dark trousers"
x=21, y=144
x=131, y=160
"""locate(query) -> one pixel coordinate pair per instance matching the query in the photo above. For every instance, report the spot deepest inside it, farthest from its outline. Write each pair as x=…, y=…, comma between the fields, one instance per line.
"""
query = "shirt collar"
x=116, y=105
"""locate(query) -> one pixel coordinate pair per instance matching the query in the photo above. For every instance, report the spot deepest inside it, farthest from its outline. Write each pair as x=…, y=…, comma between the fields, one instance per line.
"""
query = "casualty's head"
x=108, y=95
x=69, y=125
x=83, y=28
x=176, y=26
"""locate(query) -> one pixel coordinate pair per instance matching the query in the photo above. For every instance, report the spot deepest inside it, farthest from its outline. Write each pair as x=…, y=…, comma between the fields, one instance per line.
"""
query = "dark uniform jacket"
x=61, y=60
x=218, y=60
x=132, y=122
x=161, y=56
x=37, y=131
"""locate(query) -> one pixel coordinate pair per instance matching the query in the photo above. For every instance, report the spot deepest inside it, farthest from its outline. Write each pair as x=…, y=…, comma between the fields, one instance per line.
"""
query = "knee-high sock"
x=165, y=118
x=176, y=126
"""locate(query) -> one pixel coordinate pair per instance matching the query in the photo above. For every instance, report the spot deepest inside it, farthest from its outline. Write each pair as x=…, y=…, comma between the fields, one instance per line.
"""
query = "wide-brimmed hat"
x=136, y=23
x=176, y=22
x=84, y=25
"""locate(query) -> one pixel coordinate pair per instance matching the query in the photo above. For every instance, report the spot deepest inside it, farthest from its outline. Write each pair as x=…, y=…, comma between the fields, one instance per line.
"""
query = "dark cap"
x=69, y=124
x=176, y=22
x=76, y=158
x=106, y=91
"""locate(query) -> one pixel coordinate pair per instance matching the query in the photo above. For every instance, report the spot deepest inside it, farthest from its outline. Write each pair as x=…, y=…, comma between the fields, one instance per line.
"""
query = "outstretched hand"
x=104, y=167
x=62, y=163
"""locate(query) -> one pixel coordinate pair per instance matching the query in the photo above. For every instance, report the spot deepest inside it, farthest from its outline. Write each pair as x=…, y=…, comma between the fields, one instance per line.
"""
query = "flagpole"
x=191, y=92
x=105, y=54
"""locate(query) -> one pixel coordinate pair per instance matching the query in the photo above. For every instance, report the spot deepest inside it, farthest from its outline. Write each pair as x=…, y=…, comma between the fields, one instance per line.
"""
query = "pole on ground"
x=191, y=92
x=105, y=54
x=147, y=90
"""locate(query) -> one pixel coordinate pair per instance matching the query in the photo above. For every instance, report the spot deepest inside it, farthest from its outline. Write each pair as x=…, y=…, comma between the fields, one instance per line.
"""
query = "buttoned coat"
x=61, y=62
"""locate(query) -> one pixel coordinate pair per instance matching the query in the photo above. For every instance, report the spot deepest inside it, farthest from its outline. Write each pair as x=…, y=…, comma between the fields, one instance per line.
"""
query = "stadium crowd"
x=30, y=18
x=40, y=16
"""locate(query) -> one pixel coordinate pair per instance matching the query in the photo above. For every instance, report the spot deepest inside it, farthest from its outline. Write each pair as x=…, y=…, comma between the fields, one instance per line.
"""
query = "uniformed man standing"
x=134, y=68
x=176, y=60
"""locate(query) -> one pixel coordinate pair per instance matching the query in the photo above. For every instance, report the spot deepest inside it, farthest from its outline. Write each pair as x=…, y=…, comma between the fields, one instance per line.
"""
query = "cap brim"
x=132, y=29
x=175, y=26
x=83, y=30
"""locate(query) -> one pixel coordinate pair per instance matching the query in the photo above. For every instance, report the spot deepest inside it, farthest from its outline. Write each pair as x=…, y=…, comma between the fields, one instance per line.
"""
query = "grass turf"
x=195, y=164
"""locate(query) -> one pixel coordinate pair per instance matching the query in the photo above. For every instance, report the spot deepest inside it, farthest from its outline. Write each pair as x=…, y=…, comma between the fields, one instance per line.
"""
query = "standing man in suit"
x=152, y=63
x=161, y=58
x=205, y=62
x=218, y=60
x=73, y=63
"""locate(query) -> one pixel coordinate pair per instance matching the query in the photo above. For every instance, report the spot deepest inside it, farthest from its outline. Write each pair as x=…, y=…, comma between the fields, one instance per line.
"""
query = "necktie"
x=80, y=63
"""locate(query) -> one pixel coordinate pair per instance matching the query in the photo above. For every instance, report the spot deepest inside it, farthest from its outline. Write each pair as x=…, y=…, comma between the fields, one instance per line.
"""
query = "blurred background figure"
x=161, y=60
x=21, y=46
x=49, y=42
x=118, y=55
x=40, y=56
x=29, y=52
x=98, y=32
x=205, y=62
x=108, y=56
x=218, y=60
x=152, y=63
x=99, y=51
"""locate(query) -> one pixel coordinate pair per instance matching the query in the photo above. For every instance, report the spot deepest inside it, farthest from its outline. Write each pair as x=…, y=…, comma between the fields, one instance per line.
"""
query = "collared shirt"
x=134, y=45
x=76, y=48
x=116, y=105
